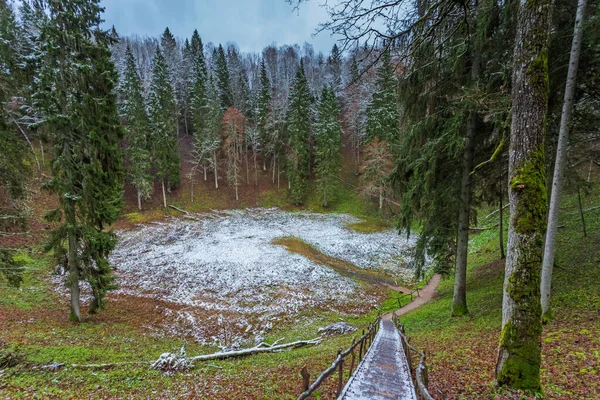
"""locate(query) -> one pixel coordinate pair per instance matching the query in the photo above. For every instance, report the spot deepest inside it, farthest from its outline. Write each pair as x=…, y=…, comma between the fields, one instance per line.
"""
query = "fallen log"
x=260, y=348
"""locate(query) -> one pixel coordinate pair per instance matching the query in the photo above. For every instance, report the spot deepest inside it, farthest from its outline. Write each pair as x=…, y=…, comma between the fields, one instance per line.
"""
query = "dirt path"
x=425, y=295
x=296, y=245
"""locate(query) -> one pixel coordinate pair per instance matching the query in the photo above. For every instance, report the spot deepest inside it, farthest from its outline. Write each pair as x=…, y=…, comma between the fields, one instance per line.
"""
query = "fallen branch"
x=494, y=212
x=187, y=214
x=474, y=228
x=586, y=210
x=260, y=348
x=179, y=209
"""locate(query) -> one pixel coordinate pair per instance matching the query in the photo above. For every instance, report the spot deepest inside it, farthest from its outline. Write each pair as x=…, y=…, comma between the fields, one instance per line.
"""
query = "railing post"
x=341, y=374
x=353, y=357
x=305, y=379
x=360, y=350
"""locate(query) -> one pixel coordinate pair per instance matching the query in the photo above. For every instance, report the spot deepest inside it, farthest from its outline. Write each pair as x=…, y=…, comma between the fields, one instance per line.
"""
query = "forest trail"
x=425, y=295
x=298, y=246
x=384, y=373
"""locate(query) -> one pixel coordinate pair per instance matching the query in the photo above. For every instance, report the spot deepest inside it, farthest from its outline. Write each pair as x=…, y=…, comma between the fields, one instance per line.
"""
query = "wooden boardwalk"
x=384, y=373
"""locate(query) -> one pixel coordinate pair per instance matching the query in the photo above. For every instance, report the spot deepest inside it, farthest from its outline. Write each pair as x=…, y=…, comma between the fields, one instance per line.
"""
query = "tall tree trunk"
x=247, y=168
x=274, y=166
x=185, y=120
x=204, y=168
x=139, y=199
x=255, y=169
x=73, y=265
x=44, y=156
x=216, y=170
x=163, y=192
x=519, y=353
x=192, y=183
x=559, y=166
x=501, y=227
x=581, y=212
x=459, y=300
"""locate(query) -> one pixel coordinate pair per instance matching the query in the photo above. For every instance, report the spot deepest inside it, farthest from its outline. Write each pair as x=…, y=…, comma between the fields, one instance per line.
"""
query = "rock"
x=338, y=328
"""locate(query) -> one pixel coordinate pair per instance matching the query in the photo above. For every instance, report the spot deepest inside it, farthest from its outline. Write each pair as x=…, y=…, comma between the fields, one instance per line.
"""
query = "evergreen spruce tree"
x=382, y=113
x=172, y=57
x=207, y=141
x=223, y=83
x=299, y=131
x=137, y=126
x=199, y=81
x=163, y=122
x=185, y=82
x=328, y=138
x=14, y=157
x=263, y=105
x=336, y=69
x=75, y=94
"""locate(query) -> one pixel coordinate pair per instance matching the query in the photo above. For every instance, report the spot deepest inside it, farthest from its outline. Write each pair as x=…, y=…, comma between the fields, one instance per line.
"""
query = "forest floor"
x=35, y=330
x=461, y=351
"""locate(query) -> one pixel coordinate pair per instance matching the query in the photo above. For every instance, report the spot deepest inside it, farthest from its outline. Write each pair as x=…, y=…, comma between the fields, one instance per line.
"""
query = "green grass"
x=370, y=226
x=463, y=349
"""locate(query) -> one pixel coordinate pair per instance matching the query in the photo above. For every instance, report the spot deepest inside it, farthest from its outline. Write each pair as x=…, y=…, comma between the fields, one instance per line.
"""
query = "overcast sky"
x=252, y=24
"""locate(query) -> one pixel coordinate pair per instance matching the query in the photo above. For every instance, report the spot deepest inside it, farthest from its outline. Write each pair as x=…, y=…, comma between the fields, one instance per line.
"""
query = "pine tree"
x=328, y=138
x=223, y=83
x=162, y=110
x=137, y=126
x=299, y=131
x=76, y=97
x=382, y=113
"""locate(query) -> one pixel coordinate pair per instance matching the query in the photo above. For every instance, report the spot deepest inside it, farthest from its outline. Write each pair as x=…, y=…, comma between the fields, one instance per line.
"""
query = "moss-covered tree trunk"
x=519, y=354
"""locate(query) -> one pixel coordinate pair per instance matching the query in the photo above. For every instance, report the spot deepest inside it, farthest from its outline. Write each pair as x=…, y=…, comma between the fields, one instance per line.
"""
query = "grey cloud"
x=252, y=24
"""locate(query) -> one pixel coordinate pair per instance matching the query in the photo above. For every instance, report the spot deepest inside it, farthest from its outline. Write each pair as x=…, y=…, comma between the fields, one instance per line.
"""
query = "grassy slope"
x=462, y=351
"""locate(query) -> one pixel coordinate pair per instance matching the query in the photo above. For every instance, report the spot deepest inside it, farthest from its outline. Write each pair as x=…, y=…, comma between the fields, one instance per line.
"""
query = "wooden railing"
x=420, y=372
x=363, y=343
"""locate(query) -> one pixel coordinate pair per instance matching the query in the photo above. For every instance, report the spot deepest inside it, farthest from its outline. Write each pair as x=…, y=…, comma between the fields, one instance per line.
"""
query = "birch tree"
x=233, y=145
x=561, y=155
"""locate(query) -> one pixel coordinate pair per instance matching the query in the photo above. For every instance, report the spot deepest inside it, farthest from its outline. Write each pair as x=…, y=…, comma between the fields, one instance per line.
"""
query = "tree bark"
x=216, y=170
x=559, y=166
x=139, y=199
x=519, y=353
x=163, y=192
x=501, y=228
x=459, y=300
x=192, y=183
x=73, y=264
x=581, y=212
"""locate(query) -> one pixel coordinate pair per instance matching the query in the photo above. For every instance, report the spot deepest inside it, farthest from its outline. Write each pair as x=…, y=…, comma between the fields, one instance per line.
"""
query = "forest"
x=166, y=194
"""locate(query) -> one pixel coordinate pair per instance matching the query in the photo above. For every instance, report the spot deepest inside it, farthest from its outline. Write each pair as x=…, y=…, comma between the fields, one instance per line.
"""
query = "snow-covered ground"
x=223, y=265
